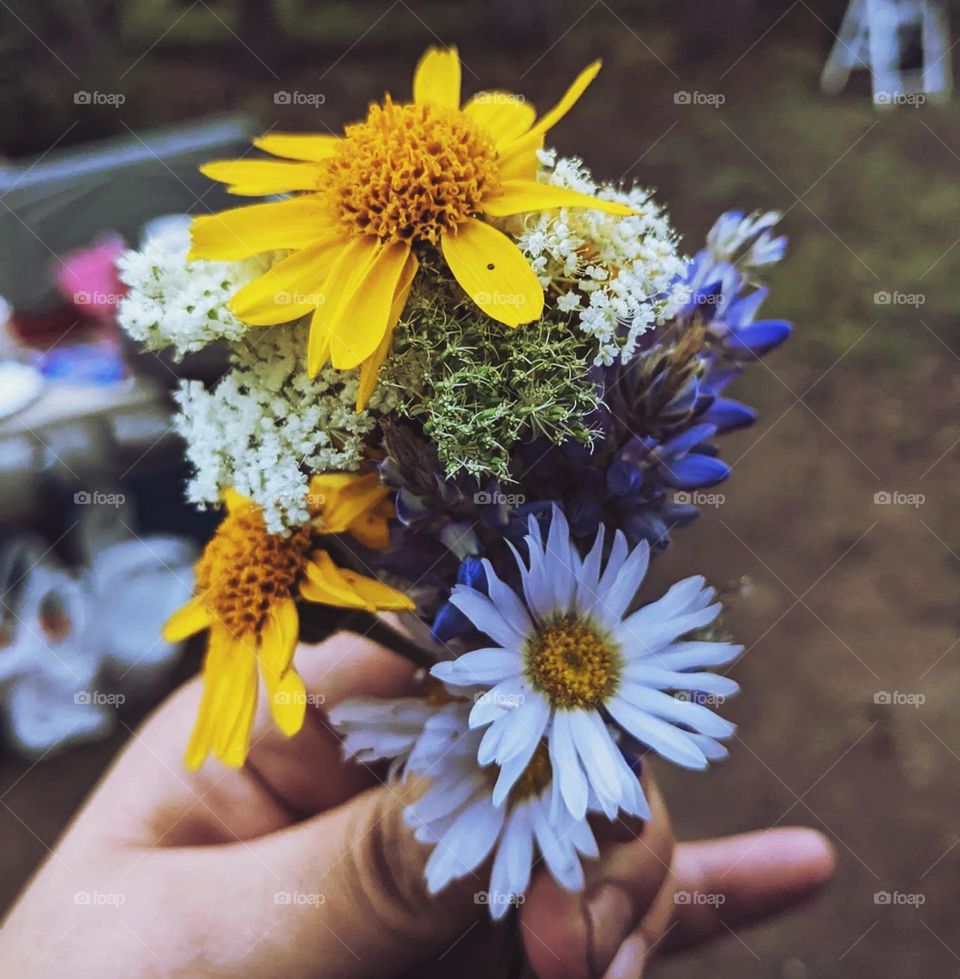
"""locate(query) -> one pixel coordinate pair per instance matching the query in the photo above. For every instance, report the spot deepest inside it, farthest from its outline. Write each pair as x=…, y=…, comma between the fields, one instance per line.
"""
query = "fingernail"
x=630, y=960
x=611, y=914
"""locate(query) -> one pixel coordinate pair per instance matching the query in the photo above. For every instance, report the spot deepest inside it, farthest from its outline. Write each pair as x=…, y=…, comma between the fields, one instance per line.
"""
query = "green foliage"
x=478, y=387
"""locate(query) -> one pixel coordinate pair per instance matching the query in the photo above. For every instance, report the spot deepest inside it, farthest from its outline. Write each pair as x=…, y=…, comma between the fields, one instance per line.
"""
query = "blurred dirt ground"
x=850, y=599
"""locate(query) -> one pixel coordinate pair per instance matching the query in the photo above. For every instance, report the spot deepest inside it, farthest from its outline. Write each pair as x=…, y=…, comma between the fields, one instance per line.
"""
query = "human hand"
x=299, y=865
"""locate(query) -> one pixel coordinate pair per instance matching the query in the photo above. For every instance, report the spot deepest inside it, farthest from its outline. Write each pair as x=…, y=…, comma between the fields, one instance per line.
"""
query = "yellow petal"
x=494, y=273
x=519, y=196
x=324, y=583
x=372, y=530
x=525, y=146
x=187, y=620
x=351, y=262
x=214, y=675
x=343, y=498
x=549, y=119
x=228, y=703
x=290, y=289
x=299, y=146
x=378, y=594
x=280, y=635
x=437, y=78
x=287, y=696
x=233, y=737
x=244, y=231
x=504, y=116
x=370, y=368
x=358, y=322
x=523, y=164
x=256, y=178
x=235, y=501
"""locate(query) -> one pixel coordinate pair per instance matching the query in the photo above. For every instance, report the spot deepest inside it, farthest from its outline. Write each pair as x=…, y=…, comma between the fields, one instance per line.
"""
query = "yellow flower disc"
x=572, y=663
x=411, y=172
x=244, y=570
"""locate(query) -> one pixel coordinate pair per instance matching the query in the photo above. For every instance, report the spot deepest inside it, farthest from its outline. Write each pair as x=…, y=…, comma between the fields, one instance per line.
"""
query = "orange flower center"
x=411, y=172
x=572, y=663
x=244, y=570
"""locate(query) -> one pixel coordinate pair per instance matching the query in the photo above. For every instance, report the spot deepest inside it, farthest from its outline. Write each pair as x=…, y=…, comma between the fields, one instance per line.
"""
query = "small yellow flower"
x=247, y=584
x=423, y=174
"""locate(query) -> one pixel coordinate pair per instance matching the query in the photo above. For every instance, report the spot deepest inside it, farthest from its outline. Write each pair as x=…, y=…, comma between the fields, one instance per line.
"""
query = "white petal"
x=692, y=655
x=442, y=798
x=559, y=855
x=566, y=766
x=507, y=600
x=668, y=741
x=485, y=616
x=588, y=580
x=657, y=678
x=562, y=560
x=512, y=768
x=639, y=639
x=711, y=748
x=687, y=712
x=511, y=865
x=618, y=554
x=465, y=845
x=480, y=666
x=490, y=742
x=596, y=750
x=622, y=590
x=523, y=725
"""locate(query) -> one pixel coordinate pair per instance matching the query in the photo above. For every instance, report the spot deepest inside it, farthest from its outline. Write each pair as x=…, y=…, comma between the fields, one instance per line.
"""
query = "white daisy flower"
x=570, y=664
x=457, y=814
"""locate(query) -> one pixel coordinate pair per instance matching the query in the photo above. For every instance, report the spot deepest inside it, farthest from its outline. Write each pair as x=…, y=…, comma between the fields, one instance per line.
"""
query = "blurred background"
x=837, y=533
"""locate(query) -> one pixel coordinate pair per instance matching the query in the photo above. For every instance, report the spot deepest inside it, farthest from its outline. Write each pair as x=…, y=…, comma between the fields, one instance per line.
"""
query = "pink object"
x=88, y=278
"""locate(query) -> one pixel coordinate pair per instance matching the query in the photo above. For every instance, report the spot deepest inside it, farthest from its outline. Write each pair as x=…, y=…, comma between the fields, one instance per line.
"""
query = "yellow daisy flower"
x=248, y=581
x=427, y=173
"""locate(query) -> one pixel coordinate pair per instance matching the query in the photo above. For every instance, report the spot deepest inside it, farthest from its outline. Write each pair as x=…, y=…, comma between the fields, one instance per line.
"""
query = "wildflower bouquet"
x=471, y=385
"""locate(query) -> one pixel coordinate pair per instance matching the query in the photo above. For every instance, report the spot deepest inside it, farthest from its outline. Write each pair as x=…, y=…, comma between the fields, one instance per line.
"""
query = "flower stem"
x=319, y=622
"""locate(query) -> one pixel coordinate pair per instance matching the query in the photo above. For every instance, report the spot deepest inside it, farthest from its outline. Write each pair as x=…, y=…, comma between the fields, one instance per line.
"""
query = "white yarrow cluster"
x=618, y=275
x=180, y=304
x=267, y=425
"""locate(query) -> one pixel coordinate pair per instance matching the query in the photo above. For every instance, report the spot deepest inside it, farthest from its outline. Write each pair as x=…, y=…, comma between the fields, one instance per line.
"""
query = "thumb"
x=610, y=928
x=358, y=903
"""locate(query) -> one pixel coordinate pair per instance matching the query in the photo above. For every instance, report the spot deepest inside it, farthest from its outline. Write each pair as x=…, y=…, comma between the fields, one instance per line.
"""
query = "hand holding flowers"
x=486, y=395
